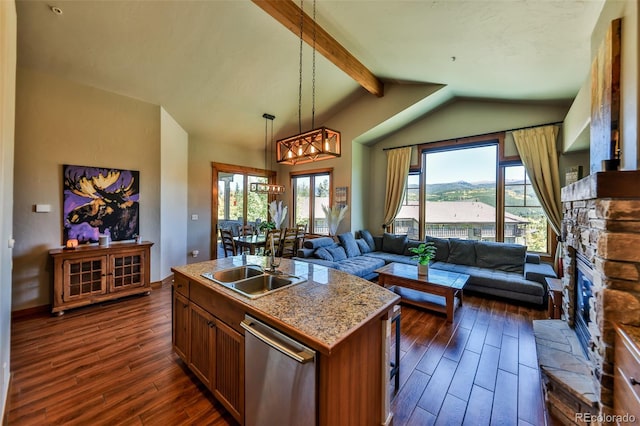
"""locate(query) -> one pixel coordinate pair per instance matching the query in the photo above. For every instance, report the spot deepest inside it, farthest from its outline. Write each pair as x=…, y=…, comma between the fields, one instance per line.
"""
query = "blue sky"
x=470, y=165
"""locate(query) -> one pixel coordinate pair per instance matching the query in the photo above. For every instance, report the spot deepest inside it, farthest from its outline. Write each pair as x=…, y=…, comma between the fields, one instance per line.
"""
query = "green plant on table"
x=423, y=253
x=266, y=226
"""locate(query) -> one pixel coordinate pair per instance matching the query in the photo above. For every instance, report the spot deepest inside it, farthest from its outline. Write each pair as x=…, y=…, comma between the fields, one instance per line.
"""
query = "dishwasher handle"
x=278, y=341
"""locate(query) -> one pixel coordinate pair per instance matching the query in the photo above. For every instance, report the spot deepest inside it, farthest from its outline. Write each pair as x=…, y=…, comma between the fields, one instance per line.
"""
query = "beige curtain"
x=398, y=162
x=537, y=149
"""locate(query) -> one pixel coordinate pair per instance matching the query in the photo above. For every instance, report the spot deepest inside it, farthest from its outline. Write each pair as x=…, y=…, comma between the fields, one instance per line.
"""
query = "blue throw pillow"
x=366, y=235
x=363, y=246
x=394, y=243
x=338, y=253
x=323, y=253
x=350, y=245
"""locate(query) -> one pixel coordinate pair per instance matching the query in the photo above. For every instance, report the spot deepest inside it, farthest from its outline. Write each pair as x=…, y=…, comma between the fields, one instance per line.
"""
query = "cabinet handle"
x=185, y=305
x=633, y=381
x=211, y=324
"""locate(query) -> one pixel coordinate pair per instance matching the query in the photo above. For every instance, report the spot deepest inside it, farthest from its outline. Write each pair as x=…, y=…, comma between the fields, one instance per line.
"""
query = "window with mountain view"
x=310, y=192
x=524, y=219
x=461, y=189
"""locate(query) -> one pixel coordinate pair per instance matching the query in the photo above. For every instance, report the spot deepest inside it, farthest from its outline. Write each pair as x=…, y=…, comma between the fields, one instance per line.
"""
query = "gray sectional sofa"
x=498, y=269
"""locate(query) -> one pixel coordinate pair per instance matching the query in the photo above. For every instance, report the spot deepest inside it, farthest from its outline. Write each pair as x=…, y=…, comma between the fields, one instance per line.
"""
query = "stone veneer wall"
x=602, y=222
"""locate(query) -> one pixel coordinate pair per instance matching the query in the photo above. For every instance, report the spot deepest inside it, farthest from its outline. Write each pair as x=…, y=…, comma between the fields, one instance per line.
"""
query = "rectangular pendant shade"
x=315, y=145
x=266, y=188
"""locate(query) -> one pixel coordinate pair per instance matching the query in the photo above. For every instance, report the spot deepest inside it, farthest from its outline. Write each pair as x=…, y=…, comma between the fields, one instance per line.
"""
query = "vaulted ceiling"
x=217, y=66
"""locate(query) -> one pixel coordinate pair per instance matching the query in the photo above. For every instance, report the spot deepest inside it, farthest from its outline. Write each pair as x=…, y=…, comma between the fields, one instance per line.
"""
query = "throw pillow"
x=462, y=252
x=338, y=253
x=348, y=241
x=411, y=244
x=366, y=235
x=442, y=248
x=394, y=243
x=315, y=243
x=501, y=256
x=323, y=253
x=363, y=246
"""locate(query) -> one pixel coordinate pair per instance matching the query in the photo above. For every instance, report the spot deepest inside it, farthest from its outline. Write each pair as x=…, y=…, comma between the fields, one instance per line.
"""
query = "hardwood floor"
x=113, y=364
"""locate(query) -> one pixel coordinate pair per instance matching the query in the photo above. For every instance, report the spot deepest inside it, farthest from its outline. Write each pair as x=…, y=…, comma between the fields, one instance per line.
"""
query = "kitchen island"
x=345, y=319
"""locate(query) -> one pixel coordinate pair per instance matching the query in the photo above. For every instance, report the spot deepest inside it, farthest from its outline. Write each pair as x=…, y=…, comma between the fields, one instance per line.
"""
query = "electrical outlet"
x=195, y=253
x=194, y=217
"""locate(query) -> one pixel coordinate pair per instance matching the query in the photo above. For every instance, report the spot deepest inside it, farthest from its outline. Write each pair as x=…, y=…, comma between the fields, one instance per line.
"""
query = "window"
x=311, y=190
x=524, y=219
x=464, y=196
x=460, y=193
x=408, y=219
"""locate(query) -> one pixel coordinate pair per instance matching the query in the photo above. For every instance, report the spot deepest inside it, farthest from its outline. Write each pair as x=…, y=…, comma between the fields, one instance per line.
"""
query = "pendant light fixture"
x=317, y=144
x=267, y=188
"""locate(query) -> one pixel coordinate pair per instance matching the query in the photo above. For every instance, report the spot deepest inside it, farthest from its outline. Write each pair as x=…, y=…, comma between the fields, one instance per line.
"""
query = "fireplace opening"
x=582, y=306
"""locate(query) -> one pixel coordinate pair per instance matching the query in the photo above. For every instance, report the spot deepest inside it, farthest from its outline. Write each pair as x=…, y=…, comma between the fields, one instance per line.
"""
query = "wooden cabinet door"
x=202, y=344
x=228, y=385
x=181, y=316
x=83, y=278
x=127, y=270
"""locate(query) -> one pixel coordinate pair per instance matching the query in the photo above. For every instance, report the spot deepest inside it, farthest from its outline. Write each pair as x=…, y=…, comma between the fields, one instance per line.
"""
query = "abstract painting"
x=100, y=201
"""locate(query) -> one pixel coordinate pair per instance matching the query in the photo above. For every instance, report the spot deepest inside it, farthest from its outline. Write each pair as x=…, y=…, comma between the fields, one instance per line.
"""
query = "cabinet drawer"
x=181, y=285
x=626, y=370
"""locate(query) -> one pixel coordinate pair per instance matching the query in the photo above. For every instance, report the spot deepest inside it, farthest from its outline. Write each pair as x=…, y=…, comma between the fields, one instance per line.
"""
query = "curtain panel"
x=398, y=163
x=537, y=149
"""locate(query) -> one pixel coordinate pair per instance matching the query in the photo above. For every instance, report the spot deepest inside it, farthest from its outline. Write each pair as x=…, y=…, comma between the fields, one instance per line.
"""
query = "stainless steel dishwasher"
x=279, y=376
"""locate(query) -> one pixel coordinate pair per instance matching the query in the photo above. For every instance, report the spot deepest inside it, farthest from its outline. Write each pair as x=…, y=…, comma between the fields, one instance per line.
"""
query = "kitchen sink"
x=251, y=281
x=237, y=273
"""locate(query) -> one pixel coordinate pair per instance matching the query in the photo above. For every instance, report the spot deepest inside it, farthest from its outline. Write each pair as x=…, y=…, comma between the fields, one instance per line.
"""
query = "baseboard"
x=31, y=312
x=165, y=282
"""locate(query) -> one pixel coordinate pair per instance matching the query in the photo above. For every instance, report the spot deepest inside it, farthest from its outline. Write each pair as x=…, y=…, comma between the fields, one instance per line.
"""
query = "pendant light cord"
x=313, y=71
x=300, y=75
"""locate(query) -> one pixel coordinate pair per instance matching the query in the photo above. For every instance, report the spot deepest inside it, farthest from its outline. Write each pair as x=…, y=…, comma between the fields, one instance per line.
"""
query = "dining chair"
x=290, y=243
x=273, y=239
x=302, y=231
x=228, y=244
x=246, y=230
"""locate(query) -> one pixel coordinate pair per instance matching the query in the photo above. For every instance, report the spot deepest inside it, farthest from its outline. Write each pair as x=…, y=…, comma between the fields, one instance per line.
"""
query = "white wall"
x=8, y=31
x=61, y=122
x=174, y=159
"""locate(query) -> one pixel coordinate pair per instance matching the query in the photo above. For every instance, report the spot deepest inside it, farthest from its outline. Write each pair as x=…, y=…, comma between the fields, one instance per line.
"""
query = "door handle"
x=302, y=356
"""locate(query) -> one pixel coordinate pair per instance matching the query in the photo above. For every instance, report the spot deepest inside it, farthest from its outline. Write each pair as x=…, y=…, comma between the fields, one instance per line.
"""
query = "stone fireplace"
x=601, y=287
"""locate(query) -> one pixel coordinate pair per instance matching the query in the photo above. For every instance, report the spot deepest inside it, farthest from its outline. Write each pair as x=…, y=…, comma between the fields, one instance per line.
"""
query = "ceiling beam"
x=288, y=14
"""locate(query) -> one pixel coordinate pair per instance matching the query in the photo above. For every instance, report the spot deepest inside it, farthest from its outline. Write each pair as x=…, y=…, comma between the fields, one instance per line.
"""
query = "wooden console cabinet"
x=92, y=274
x=626, y=376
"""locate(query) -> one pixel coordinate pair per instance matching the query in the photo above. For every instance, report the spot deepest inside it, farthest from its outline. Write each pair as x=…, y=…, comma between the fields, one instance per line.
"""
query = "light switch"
x=194, y=217
x=43, y=208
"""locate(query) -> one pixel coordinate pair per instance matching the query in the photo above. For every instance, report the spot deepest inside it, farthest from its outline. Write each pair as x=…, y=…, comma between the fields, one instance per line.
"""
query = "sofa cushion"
x=363, y=246
x=392, y=257
x=377, y=242
x=462, y=252
x=500, y=256
x=315, y=243
x=305, y=252
x=338, y=253
x=323, y=253
x=361, y=266
x=394, y=243
x=411, y=244
x=366, y=235
x=442, y=248
x=538, y=272
x=349, y=243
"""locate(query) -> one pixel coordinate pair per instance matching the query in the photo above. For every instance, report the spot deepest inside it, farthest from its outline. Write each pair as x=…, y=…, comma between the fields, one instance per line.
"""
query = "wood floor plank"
x=421, y=417
x=456, y=344
x=479, y=407
x=452, y=411
x=509, y=354
x=505, y=399
x=463, y=378
x=405, y=402
x=530, y=405
x=436, y=390
x=488, y=367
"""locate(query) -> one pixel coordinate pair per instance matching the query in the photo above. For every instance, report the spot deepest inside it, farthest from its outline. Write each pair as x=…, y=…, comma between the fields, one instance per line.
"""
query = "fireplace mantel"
x=616, y=184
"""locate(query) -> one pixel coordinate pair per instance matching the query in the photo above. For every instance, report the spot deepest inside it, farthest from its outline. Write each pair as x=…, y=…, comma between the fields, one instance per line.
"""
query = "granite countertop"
x=326, y=308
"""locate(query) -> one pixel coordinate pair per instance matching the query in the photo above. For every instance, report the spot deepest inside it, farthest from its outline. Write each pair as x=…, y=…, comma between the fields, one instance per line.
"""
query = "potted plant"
x=423, y=254
x=266, y=226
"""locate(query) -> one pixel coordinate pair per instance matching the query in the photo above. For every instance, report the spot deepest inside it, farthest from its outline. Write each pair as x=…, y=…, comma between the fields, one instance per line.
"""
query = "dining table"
x=252, y=242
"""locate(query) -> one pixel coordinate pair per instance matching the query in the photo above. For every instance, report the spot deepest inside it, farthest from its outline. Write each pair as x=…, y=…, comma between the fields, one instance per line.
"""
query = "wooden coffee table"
x=438, y=291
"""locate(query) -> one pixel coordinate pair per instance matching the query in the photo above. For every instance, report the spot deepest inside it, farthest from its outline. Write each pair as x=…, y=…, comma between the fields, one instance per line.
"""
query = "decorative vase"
x=423, y=270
